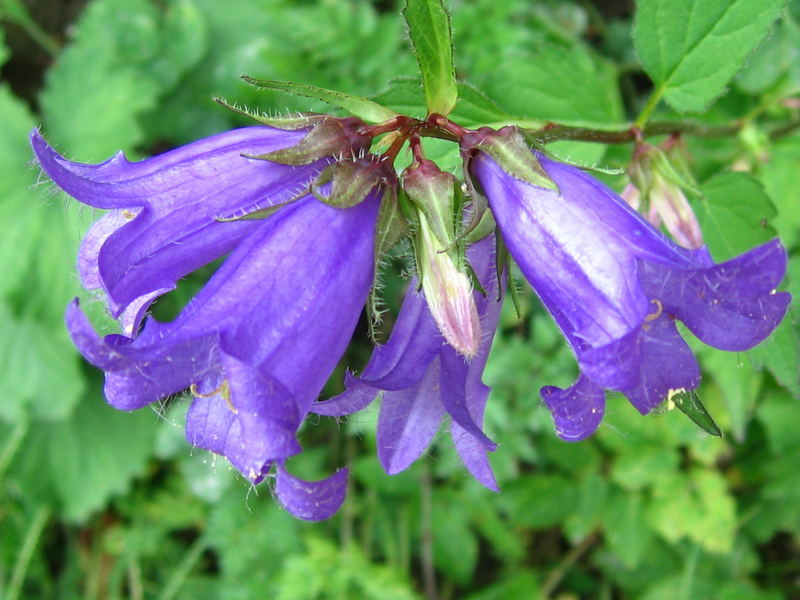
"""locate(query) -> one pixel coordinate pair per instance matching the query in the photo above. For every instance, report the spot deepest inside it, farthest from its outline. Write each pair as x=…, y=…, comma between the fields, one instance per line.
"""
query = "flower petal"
x=732, y=305
x=453, y=390
x=177, y=198
x=577, y=410
x=472, y=452
x=311, y=500
x=667, y=364
x=408, y=420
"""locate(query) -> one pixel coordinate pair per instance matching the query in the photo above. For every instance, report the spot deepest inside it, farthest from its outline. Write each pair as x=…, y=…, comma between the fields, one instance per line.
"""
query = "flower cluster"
x=302, y=213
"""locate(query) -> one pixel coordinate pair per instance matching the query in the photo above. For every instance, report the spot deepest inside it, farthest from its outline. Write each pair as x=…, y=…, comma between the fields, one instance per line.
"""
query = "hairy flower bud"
x=658, y=180
x=447, y=287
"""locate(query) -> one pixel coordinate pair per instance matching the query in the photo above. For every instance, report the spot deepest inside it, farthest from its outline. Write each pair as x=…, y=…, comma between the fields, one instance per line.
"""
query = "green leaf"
x=567, y=85
x=780, y=354
x=739, y=385
x=781, y=179
x=692, y=48
x=4, y=51
x=431, y=36
x=83, y=461
x=626, y=531
x=362, y=108
x=39, y=369
x=696, y=506
x=734, y=214
x=689, y=404
x=455, y=546
x=780, y=416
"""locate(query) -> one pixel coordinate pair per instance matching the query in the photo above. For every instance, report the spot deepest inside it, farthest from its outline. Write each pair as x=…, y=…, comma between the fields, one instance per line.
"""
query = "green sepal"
x=256, y=215
x=350, y=180
x=325, y=139
x=508, y=149
x=289, y=122
x=689, y=404
x=362, y=108
x=479, y=201
x=474, y=279
x=503, y=262
x=431, y=191
x=485, y=227
x=392, y=227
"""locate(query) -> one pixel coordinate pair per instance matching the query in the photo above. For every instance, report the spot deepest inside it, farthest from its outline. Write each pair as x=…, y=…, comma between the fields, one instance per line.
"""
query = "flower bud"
x=658, y=180
x=447, y=286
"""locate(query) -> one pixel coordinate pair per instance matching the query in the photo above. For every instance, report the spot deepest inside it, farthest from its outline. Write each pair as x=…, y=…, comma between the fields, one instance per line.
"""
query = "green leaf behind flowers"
x=692, y=48
x=431, y=37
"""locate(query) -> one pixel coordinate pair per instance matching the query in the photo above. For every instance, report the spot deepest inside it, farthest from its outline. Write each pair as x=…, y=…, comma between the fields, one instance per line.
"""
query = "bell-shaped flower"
x=257, y=343
x=166, y=212
x=423, y=378
x=616, y=286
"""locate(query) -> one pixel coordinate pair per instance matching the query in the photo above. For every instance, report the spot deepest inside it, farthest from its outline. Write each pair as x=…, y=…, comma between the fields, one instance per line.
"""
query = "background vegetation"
x=99, y=504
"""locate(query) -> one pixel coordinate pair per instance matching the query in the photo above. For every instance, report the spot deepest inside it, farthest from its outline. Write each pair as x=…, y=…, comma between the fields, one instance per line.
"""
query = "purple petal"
x=454, y=395
x=577, y=410
x=210, y=424
x=667, y=364
x=569, y=250
x=311, y=500
x=731, y=306
x=177, y=197
x=408, y=421
x=356, y=397
x=473, y=453
x=414, y=341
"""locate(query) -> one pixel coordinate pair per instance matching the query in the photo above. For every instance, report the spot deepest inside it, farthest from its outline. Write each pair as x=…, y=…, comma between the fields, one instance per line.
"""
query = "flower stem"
x=648, y=109
x=183, y=569
x=26, y=552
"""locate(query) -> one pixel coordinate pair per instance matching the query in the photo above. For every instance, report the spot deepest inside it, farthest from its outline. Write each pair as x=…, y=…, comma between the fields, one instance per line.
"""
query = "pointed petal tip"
x=311, y=500
x=577, y=410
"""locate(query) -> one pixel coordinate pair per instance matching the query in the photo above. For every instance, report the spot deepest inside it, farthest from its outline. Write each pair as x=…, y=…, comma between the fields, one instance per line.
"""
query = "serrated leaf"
x=781, y=179
x=39, y=368
x=431, y=36
x=362, y=108
x=780, y=354
x=734, y=214
x=567, y=85
x=739, y=385
x=83, y=461
x=692, y=48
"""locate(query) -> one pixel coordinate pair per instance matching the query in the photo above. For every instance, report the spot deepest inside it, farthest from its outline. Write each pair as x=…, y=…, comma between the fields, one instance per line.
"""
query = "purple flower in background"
x=615, y=286
x=257, y=344
x=164, y=213
x=423, y=378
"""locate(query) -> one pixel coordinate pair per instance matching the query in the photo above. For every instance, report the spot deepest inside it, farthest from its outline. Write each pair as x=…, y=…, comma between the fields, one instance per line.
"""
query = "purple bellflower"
x=256, y=345
x=165, y=212
x=615, y=286
x=423, y=378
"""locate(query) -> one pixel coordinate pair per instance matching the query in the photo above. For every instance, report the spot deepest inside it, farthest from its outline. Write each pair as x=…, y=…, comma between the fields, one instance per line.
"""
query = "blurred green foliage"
x=98, y=504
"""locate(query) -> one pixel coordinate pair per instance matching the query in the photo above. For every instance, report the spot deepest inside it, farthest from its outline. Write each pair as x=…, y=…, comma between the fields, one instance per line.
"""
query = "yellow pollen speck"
x=223, y=390
x=670, y=403
x=659, y=309
x=128, y=214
